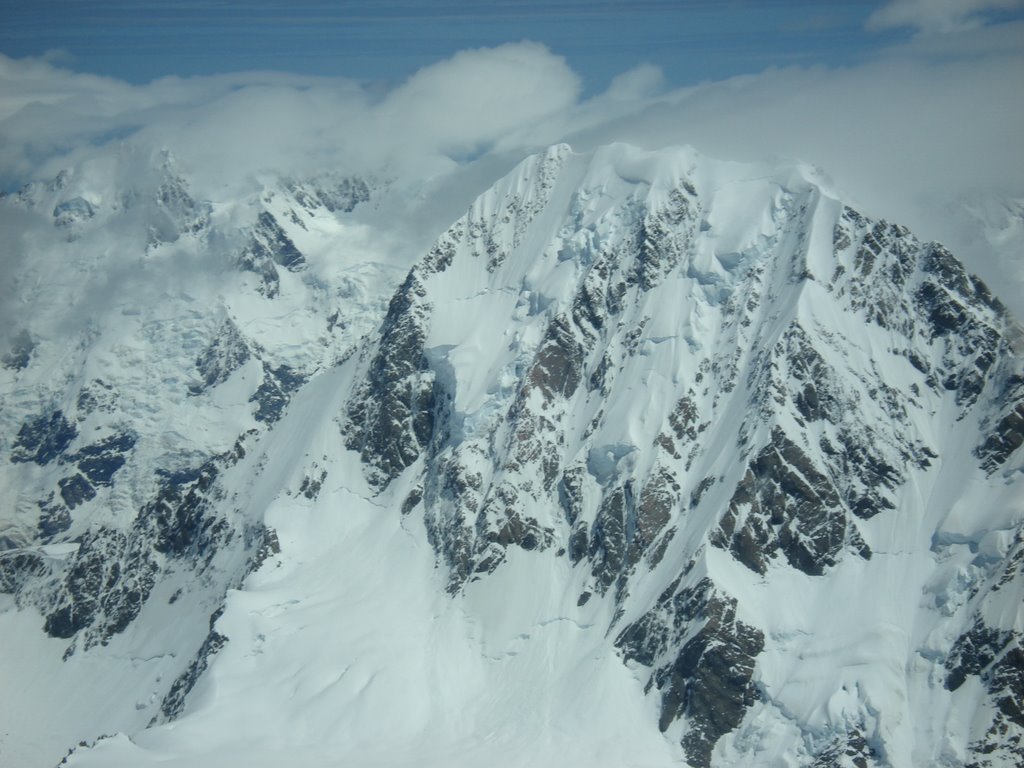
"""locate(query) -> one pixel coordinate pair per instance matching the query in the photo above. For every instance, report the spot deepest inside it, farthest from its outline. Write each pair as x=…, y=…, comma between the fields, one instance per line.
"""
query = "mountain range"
x=651, y=459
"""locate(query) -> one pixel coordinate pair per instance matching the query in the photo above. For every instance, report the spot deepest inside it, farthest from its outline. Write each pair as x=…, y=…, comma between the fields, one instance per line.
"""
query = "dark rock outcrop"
x=391, y=418
x=105, y=586
x=43, y=438
x=225, y=354
x=785, y=505
x=702, y=660
x=275, y=391
x=269, y=247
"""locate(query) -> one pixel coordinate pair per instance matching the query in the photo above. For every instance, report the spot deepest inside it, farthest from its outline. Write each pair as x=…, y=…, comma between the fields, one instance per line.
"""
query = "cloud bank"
x=938, y=17
x=231, y=125
x=927, y=133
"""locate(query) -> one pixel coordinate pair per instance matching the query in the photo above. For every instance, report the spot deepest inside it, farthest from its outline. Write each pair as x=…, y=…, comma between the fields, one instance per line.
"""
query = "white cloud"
x=51, y=117
x=231, y=125
x=477, y=97
x=937, y=17
x=909, y=135
x=918, y=136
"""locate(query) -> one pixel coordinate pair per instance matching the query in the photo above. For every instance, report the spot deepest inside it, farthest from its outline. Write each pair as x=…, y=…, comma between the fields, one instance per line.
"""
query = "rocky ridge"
x=110, y=510
x=652, y=394
x=732, y=408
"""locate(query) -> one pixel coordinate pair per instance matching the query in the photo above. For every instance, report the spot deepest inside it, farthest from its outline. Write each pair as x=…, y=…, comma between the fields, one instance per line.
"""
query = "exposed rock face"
x=1007, y=434
x=179, y=214
x=793, y=435
x=268, y=248
x=851, y=750
x=101, y=589
x=392, y=417
x=703, y=662
x=174, y=702
x=43, y=438
x=769, y=446
x=98, y=592
x=785, y=505
x=337, y=195
x=275, y=391
x=990, y=652
x=225, y=354
x=120, y=421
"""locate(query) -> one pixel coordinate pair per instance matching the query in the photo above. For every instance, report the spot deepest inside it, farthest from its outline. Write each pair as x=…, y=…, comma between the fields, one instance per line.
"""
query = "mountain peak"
x=644, y=439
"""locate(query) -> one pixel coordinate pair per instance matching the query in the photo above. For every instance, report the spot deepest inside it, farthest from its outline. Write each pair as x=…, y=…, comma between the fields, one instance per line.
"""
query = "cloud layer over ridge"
x=926, y=133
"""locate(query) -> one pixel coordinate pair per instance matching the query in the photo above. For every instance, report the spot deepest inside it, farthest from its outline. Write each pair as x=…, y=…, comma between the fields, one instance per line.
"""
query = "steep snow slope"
x=744, y=411
x=650, y=459
x=348, y=649
x=145, y=352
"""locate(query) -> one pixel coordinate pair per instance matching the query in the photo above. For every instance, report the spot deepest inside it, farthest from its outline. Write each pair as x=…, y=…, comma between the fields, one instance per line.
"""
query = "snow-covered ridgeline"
x=717, y=391
x=145, y=355
x=665, y=425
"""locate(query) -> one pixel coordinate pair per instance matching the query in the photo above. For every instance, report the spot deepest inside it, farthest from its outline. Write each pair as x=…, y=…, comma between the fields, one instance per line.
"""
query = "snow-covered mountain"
x=650, y=460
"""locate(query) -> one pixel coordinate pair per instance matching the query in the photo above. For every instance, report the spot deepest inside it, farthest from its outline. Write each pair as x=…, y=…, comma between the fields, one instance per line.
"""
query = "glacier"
x=650, y=459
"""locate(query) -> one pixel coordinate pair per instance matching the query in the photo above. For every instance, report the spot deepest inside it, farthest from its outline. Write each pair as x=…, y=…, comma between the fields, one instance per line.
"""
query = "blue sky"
x=690, y=40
